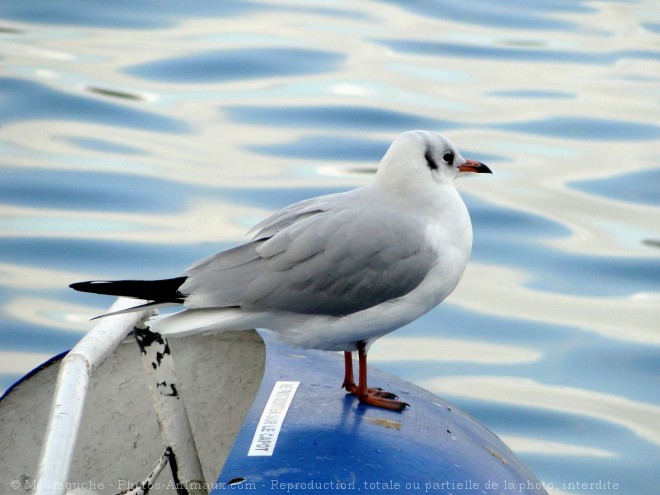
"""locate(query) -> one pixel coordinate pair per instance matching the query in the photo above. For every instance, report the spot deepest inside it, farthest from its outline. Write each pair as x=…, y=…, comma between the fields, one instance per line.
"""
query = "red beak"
x=474, y=166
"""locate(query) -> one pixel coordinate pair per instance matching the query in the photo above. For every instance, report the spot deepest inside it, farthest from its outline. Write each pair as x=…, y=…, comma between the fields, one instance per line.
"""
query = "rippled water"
x=138, y=137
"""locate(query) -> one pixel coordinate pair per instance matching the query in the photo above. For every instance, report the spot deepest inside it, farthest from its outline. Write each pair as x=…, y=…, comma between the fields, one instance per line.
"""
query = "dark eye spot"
x=430, y=161
x=448, y=157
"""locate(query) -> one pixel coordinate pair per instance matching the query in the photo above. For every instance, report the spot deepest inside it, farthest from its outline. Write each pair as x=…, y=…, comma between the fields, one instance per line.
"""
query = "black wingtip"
x=151, y=290
x=83, y=286
x=94, y=286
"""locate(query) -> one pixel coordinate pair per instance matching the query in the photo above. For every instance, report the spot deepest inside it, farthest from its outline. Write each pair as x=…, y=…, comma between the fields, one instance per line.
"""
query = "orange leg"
x=349, y=379
x=372, y=396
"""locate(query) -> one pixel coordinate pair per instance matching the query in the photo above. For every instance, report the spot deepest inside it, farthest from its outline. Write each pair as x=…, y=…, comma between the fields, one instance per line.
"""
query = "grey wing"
x=292, y=214
x=222, y=279
x=321, y=262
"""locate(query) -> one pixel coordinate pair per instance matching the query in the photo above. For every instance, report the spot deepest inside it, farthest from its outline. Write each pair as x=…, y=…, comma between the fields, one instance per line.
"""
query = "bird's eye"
x=448, y=157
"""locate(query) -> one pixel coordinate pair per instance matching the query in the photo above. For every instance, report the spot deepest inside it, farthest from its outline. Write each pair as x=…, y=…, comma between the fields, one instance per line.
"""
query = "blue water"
x=136, y=138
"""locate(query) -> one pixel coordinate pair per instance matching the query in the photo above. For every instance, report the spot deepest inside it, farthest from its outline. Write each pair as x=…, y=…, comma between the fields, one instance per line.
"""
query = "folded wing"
x=310, y=260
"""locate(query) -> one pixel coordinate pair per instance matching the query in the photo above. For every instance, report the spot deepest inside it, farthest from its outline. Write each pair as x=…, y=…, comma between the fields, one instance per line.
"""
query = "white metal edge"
x=68, y=401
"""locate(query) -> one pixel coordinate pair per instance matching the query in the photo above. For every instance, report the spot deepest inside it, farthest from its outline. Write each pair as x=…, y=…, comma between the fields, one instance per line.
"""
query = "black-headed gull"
x=335, y=272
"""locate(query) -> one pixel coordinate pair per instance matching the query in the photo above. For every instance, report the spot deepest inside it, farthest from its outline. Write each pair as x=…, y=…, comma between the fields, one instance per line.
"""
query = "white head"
x=419, y=159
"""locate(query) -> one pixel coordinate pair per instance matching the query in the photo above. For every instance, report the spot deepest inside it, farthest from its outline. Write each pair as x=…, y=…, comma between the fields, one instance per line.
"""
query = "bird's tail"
x=158, y=293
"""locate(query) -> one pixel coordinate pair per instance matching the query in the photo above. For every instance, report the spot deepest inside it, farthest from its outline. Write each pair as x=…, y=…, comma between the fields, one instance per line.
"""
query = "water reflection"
x=103, y=145
x=517, y=14
x=135, y=141
x=133, y=15
x=633, y=319
x=114, y=93
x=25, y=100
x=641, y=418
x=333, y=117
x=336, y=148
x=411, y=349
x=547, y=447
x=632, y=187
x=241, y=64
x=586, y=128
x=516, y=51
x=16, y=364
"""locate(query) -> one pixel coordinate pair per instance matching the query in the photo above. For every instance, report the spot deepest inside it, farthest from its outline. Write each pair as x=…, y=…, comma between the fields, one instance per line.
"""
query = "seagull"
x=335, y=272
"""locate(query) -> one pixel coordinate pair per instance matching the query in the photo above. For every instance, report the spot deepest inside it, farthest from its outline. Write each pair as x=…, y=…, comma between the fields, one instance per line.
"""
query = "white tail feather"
x=202, y=320
x=136, y=308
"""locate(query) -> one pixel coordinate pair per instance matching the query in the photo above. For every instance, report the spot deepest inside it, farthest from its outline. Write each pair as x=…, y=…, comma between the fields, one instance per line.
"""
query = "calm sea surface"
x=137, y=137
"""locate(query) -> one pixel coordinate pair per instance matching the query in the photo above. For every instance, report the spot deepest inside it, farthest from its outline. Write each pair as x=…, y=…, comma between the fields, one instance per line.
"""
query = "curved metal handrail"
x=72, y=383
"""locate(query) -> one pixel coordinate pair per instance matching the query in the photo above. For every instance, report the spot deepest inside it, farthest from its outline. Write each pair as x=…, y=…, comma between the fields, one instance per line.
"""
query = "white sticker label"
x=268, y=429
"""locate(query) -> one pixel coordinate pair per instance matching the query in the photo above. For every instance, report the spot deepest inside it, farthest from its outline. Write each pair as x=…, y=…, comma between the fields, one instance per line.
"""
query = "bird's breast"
x=450, y=239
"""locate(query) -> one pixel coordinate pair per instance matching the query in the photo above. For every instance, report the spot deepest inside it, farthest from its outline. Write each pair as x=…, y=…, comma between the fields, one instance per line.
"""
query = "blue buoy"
x=288, y=429
x=305, y=434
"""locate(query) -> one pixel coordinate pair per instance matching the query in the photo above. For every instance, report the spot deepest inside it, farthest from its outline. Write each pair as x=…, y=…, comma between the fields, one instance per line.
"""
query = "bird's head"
x=417, y=160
